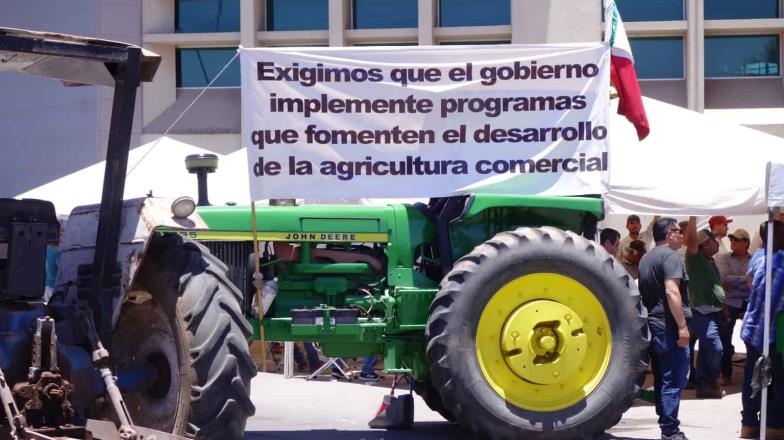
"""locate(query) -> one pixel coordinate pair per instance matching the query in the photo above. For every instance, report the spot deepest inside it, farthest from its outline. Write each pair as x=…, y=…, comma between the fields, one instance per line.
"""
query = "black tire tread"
x=192, y=284
x=429, y=393
x=219, y=353
x=451, y=290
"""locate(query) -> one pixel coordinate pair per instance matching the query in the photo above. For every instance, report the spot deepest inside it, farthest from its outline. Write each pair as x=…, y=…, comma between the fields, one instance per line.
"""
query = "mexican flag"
x=622, y=74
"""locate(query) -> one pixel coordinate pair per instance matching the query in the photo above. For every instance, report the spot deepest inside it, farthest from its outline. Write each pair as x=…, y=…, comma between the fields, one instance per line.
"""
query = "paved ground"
x=296, y=409
x=330, y=409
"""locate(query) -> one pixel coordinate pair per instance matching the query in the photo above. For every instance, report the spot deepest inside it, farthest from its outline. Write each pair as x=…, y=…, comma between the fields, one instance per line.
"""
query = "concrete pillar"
x=427, y=21
x=781, y=40
x=251, y=15
x=556, y=21
x=338, y=18
x=695, y=55
x=700, y=51
x=691, y=71
x=157, y=16
x=161, y=93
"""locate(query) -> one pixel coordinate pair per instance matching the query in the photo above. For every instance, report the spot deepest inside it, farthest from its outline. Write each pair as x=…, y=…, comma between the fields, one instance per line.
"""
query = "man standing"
x=610, y=240
x=632, y=256
x=752, y=333
x=634, y=227
x=662, y=282
x=684, y=225
x=719, y=226
x=706, y=297
x=733, y=267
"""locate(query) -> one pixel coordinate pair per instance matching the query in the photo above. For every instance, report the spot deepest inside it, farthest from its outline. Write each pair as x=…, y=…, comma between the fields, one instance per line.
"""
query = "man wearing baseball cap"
x=634, y=227
x=631, y=258
x=706, y=298
x=733, y=267
x=719, y=225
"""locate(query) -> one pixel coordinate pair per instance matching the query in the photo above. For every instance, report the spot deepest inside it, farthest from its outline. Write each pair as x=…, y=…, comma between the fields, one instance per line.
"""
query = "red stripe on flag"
x=624, y=79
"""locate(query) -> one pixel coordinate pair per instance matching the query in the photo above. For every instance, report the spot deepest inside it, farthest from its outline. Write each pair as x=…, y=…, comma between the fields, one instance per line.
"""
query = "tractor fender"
x=140, y=218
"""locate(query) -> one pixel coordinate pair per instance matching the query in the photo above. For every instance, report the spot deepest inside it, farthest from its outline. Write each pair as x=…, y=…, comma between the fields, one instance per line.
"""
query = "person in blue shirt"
x=752, y=334
x=52, y=265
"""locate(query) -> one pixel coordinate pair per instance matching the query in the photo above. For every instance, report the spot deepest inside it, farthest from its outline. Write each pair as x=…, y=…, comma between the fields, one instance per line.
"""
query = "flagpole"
x=766, y=307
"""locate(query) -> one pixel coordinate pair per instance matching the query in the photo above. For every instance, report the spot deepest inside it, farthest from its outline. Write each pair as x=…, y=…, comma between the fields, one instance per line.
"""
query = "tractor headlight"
x=183, y=207
x=196, y=162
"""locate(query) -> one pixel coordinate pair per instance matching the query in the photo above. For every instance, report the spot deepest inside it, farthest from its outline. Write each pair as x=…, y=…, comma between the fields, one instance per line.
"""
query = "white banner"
x=426, y=121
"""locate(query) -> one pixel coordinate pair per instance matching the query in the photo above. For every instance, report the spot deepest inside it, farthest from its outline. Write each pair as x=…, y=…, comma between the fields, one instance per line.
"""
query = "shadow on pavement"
x=615, y=437
x=422, y=430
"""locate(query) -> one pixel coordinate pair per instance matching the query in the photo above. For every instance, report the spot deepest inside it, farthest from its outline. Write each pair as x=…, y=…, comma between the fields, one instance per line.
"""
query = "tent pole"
x=766, y=330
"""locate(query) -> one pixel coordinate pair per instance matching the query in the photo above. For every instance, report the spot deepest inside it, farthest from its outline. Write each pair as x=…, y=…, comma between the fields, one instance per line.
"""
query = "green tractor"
x=509, y=320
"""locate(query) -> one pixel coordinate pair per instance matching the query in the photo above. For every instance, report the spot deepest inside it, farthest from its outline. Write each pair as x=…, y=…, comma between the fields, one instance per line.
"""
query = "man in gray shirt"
x=662, y=285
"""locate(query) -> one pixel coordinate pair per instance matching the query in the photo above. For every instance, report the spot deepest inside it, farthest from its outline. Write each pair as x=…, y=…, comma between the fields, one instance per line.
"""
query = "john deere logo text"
x=320, y=236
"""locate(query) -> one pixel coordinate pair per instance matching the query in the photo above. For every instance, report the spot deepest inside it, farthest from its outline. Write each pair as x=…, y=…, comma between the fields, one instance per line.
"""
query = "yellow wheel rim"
x=543, y=342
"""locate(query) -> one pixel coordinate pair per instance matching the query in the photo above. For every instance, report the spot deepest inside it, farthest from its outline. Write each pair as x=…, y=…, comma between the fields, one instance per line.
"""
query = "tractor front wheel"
x=183, y=337
x=537, y=333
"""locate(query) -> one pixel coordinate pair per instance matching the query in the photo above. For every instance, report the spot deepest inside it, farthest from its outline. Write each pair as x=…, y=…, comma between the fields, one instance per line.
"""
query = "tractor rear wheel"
x=537, y=333
x=183, y=336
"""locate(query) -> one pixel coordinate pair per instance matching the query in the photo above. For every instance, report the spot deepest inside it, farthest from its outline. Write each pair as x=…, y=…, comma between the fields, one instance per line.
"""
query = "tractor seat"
x=26, y=227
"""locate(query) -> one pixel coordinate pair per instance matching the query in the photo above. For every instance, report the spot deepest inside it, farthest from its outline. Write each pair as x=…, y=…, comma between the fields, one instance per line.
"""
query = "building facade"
x=722, y=57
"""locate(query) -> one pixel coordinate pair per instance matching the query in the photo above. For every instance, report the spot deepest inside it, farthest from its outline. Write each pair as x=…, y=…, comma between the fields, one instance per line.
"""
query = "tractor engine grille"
x=236, y=255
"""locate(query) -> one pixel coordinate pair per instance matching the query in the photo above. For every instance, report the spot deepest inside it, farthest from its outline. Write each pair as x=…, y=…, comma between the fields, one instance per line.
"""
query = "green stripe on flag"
x=615, y=18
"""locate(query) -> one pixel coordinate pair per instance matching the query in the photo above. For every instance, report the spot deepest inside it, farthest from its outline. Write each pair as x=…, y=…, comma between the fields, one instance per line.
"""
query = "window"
x=658, y=58
x=737, y=9
x=650, y=10
x=207, y=15
x=473, y=43
x=197, y=67
x=379, y=14
x=474, y=13
x=748, y=55
x=297, y=15
x=383, y=44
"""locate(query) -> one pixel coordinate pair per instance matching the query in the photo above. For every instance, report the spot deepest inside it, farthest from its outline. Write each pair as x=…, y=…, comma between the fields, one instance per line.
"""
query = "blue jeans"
x=751, y=407
x=670, y=365
x=725, y=332
x=311, y=351
x=367, y=366
x=706, y=328
x=692, y=343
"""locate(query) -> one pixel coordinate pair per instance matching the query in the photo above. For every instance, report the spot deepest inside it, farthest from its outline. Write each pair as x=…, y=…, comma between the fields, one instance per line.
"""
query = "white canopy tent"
x=690, y=164
x=159, y=170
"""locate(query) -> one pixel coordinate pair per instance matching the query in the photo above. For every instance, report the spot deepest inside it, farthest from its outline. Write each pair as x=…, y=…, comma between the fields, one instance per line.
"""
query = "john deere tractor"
x=508, y=317
x=144, y=336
